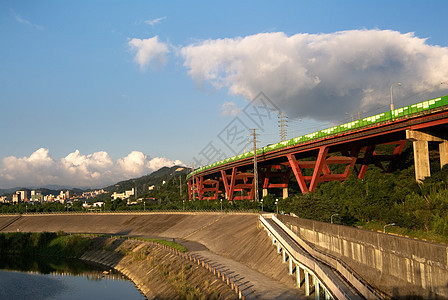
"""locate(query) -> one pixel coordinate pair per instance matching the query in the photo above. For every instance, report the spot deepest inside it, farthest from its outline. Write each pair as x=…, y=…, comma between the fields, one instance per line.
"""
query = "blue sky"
x=71, y=78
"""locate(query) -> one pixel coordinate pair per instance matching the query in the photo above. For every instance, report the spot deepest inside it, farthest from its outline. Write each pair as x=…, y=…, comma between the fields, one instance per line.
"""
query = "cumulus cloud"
x=77, y=170
x=159, y=162
x=230, y=109
x=134, y=163
x=150, y=52
x=154, y=21
x=322, y=76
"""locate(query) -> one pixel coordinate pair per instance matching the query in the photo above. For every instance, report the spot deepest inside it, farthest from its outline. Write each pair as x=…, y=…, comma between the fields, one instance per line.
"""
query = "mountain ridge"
x=154, y=178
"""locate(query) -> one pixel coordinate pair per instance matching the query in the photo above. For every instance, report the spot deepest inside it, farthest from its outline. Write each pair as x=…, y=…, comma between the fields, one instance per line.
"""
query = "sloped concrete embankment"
x=168, y=225
x=241, y=239
x=158, y=272
x=231, y=241
x=5, y=221
x=234, y=236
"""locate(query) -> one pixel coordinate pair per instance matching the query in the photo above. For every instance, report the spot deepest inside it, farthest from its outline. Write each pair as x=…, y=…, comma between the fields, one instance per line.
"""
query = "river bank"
x=230, y=242
x=157, y=271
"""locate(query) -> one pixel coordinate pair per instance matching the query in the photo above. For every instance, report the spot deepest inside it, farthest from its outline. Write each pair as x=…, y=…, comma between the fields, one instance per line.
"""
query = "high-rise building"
x=22, y=196
x=15, y=198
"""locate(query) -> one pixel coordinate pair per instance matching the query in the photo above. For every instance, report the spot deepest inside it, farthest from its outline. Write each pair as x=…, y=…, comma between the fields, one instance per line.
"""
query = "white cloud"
x=133, y=164
x=230, y=109
x=322, y=76
x=154, y=21
x=150, y=52
x=76, y=169
x=159, y=162
x=26, y=22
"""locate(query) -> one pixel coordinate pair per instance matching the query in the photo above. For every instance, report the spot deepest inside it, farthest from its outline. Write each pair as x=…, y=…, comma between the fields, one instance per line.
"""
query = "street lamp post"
x=391, y=96
x=221, y=205
x=261, y=205
x=183, y=204
x=384, y=228
x=276, y=204
x=331, y=218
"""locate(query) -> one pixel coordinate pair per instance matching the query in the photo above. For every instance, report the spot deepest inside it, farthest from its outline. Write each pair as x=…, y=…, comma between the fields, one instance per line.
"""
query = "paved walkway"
x=255, y=284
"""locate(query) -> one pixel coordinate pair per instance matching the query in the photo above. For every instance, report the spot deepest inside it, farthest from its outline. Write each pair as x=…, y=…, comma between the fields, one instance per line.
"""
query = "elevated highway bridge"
x=312, y=157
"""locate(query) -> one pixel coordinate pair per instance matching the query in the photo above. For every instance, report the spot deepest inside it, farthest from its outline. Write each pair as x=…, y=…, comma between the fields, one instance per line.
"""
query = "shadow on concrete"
x=192, y=246
x=102, y=243
x=123, y=232
x=430, y=295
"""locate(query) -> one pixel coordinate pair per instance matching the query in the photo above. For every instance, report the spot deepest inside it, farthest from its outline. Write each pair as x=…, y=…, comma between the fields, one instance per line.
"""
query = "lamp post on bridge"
x=276, y=204
x=384, y=228
x=261, y=205
x=391, y=97
x=221, y=205
x=331, y=218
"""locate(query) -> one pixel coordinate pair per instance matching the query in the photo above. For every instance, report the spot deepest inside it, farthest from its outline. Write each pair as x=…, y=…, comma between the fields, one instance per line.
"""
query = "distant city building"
x=98, y=204
x=49, y=198
x=93, y=207
x=36, y=197
x=3, y=199
x=64, y=195
x=124, y=195
x=22, y=196
x=92, y=194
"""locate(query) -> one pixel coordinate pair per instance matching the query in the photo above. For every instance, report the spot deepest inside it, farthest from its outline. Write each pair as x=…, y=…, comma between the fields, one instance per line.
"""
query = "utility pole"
x=282, y=126
x=192, y=170
x=180, y=186
x=255, y=166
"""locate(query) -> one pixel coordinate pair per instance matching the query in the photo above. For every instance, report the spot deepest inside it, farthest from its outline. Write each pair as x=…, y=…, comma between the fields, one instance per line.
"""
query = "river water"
x=60, y=280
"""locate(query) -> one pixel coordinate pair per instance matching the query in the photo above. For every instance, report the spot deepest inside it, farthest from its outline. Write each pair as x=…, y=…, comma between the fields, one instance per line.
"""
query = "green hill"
x=154, y=179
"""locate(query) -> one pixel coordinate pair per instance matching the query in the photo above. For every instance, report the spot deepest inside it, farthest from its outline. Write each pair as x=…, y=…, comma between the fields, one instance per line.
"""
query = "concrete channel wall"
x=398, y=266
x=231, y=242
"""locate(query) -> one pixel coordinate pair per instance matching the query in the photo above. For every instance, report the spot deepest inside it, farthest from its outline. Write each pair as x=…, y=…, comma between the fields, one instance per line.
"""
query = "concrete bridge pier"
x=304, y=277
x=291, y=268
x=299, y=277
x=443, y=149
x=421, y=152
x=265, y=192
x=307, y=283
x=285, y=192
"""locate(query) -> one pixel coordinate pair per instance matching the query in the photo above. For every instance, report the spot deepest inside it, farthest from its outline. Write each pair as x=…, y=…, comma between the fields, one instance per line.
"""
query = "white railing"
x=306, y=261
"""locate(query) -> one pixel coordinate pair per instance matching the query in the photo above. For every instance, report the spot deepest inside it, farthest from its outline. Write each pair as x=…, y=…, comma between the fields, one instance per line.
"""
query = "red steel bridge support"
x=329, y=159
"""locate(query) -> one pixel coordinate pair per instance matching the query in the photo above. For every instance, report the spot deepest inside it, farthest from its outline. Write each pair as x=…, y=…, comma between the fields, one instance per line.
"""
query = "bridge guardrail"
x=311, y=265
x=354, y=279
